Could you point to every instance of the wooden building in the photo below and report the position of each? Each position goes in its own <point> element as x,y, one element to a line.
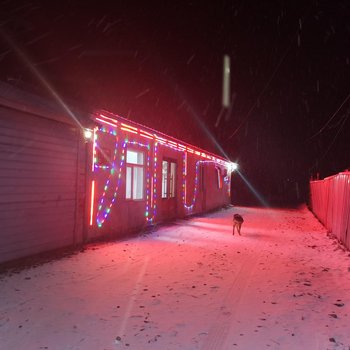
<point>140,176</point>
<point>42,175</point>
<point>58,189</point>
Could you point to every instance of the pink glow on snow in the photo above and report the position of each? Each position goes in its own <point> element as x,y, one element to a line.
<point>190,285</point>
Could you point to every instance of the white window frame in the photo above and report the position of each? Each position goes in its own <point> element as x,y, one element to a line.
<point>169,169</point>
<point>219,177</point>
<point>135,175</point>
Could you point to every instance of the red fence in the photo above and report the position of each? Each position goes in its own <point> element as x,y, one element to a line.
<point>330,202</point>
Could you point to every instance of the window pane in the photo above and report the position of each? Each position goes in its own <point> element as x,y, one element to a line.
<point>128,183</point>
<point>201,179</point>
<point>134,157</point>
<point>172,179</point>
<point>140,158</point>
<point>164,179</point>
<point>138,183</point>
<point>219,176</point>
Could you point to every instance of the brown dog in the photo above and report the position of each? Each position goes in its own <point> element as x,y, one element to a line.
<point>237,222</point>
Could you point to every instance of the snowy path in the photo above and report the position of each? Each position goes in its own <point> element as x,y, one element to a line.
<point>283,284</point>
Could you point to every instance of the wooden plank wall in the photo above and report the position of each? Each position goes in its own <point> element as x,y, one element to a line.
<point>330,201</point>
<point>42,184</point>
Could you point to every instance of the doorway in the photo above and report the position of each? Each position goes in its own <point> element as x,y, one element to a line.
<point>169,186</point>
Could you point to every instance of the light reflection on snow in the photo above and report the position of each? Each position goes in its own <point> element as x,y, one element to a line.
<point>133,296</point>
<point>185,286</point>
<point>216,227</point>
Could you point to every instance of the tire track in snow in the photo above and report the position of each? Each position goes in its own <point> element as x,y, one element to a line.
<point>132,299</point>
<point>220,328</point>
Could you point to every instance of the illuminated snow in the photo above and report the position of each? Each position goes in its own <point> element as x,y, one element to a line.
<point>190,285</point>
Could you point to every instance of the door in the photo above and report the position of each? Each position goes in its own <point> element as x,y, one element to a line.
<point>169,185</point>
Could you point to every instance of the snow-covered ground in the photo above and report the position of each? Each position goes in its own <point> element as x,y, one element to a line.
<point>191,285</point>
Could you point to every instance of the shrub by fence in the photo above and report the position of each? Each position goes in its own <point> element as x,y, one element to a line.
<point>330,202</point>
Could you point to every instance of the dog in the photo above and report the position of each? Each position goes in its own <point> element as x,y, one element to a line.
<point>237,223</point>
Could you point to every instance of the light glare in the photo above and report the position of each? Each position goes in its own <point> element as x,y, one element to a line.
<point>233,166</point>
<point>88,134</point>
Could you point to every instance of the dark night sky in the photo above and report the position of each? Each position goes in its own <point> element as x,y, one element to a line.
<point>161,65</point>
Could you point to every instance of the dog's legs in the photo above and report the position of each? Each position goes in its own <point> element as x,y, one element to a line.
<point>233,231</point>
<point>239,229</point>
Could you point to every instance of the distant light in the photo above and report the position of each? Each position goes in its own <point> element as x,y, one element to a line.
<point>88,134</point>
<point>226,82</point>
<point>233,166</point>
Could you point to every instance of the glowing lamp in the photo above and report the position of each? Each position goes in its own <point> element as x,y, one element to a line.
<point>88,134</point>
<point>233,166</point>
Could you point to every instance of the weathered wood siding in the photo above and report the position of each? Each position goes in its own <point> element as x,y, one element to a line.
<point>330,202</point>
<point>42,184</point>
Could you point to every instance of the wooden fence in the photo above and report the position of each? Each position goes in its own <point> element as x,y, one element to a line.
<point>330,202</point>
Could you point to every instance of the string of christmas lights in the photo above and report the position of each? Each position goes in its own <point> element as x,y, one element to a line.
<point>190,207</point>
<point>114,176</point>
<point>103,208</point>
<point>153,202</point>
<point>196,182</point>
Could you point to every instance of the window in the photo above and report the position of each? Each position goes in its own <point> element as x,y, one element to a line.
<point>172,180</point>
<point>134,175</point>
<point>219,176</point>
<point>164,179</point>
<point>201,177</point>
<point>168,179</point>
